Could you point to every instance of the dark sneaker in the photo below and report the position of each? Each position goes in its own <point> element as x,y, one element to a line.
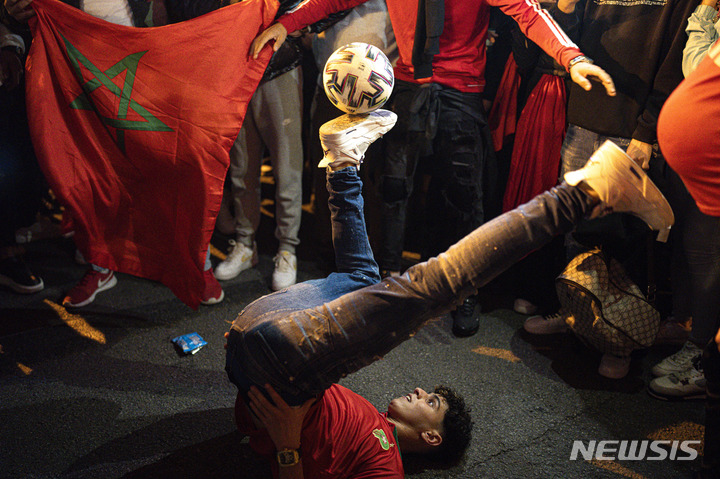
<point>16,275</point>
<point>213,293</point>
<point>89,286</point>
<point>466,320</point>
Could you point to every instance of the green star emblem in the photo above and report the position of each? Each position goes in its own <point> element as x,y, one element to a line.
<point>129,64</point>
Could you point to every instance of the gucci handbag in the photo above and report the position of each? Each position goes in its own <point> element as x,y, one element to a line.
<point>604,307</point>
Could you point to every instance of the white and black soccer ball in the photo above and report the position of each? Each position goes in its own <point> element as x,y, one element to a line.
<point>358,78</point>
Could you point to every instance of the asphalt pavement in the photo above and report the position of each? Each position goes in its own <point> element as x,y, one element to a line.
<point>102,393</point>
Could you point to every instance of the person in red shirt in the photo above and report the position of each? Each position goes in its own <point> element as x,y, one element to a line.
<point>440,76</point>
<point>286,351</point>
<point>688,136</point>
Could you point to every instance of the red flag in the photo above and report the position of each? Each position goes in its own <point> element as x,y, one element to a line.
<point>132,127</point>
<point>535,163</point>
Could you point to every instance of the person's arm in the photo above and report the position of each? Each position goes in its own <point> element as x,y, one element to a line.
<point>539,26</point>
<point>702,33</point>
<point>283,424</point>
<point>307,14</point>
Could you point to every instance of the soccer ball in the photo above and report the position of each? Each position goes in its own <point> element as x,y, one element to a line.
<point>358,78</point>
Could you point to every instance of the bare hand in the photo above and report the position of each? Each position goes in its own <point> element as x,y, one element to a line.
<point>227,333</point>
<point>710,3</point>
<point>283,423</point>
<point>567,6</point>
<point>717,339</point>
<point>276,32</point>
<point>582,70</point>
<point>11,69</point>
<point>640,152</point>
<point>20,10</point>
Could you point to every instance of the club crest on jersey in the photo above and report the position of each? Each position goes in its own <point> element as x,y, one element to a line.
<point>382,437</point>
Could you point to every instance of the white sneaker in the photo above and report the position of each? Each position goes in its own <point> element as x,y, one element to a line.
<point>548,324</point>
<point>623,186</point>
<point>285,273</point>
<point>688,384</point>
<point>678,362</point>
<point>346,138</point>
<point>241,257</point>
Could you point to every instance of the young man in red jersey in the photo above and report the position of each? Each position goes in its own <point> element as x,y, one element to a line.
<point>286,351</point>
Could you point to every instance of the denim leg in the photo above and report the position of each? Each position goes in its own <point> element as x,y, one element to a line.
<point>353,253</point>
<point>580,144</point>
<point>315,347</point>
<point>577,147</point>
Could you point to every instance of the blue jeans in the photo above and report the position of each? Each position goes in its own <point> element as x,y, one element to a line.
<point>308,336</point>
<point>580,144</point>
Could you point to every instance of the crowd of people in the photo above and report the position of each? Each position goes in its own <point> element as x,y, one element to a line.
<point>493,117</point>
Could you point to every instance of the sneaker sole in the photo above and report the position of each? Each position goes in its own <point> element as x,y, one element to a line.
<point>347,122</point>
<point>621,169</point>
<point>212,301</point>
<point>689,397</point>
<point>19,288</point>
<point>110,284</point>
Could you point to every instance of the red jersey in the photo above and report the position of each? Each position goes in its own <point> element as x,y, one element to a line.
<point>688,132</point>
<point>460,64</point>
<point>344,436</point>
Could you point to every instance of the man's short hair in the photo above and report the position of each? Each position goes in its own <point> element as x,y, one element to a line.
<point>457,426</point>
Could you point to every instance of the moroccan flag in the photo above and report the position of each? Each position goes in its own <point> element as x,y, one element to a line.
<point>132,127</point>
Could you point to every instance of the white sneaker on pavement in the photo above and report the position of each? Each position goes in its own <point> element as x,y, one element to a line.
<point>241,257</point>
<point>346,138</point>
<point>678,362</point>
<point>688,384</point>
<point>285,273</point>
<point>622,186</point>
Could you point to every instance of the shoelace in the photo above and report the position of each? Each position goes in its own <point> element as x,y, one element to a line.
<point>282,263</point>
<point>467,307</point>
<point>686,355</point>
<point>237,250</point>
